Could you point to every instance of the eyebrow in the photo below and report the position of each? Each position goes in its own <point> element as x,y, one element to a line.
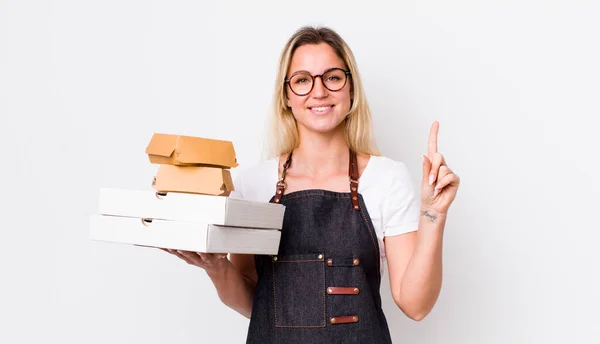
<point>307,72</point>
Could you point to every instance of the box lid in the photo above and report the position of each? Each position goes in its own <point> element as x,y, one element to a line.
<point>220,210</point>
<point>189,150</point>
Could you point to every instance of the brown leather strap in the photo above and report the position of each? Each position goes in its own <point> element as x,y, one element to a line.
<point>343,290</point>
<point>281,184</point>
<point>353,171</point>
<point>346,319</point>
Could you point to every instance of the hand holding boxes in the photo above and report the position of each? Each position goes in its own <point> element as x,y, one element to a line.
<point>189,208</point>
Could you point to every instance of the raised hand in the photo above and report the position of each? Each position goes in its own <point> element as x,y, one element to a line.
<point>440,184</point>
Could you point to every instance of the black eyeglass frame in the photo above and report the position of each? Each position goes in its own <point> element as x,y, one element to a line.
<point>313,77</point>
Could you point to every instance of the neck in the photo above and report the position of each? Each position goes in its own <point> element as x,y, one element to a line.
<point>321,154</point>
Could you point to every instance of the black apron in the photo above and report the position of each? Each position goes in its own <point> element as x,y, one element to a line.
<point>323,285</point>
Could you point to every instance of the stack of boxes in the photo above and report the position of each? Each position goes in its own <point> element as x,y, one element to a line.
<point>192,164</point>
<point>188,205</point>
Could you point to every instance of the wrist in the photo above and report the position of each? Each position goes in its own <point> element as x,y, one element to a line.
<point>432,215</point>
<point>218,268</point>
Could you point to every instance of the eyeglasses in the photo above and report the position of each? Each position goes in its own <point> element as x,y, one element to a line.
<point>334,79</point>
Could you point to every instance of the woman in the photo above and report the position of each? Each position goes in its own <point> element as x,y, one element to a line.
<point>347,208</point>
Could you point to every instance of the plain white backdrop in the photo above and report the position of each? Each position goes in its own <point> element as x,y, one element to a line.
<point>514,84</point>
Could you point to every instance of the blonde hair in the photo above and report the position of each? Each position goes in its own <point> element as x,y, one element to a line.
<point>283,130</point>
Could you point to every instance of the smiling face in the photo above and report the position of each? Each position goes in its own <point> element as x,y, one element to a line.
<point>321,110</point>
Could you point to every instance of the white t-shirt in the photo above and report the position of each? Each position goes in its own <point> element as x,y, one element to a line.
<point>385,186</point>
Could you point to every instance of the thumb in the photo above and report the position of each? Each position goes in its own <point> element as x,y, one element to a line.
<point>426,169</point>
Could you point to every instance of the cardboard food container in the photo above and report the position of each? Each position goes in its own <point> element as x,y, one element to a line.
<point>193,179</point>
<point>187,207</point>
<point>184,150</point>
<point>183,235</point>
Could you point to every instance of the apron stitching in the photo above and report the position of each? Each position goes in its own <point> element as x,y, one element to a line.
<point>300,326</point>
<point>324,298</point>
<point>370,232</point>
<point>375,245</point>
<point>318,194</point>
<point>274,296</point>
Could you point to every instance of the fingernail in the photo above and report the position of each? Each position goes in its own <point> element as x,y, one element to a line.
<point>431,177</point>
<point>436,192</point>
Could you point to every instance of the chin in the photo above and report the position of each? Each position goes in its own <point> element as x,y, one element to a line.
<point>324,128</point>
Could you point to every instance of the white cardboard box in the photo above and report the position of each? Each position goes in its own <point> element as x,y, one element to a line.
<point>218,210</point>
<point>179,235</point>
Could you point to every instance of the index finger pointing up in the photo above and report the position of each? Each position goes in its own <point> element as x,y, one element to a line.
<point>433,136</point>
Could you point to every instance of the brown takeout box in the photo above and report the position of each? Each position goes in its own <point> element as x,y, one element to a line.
<point>193,179</point>
<point>184,150</point>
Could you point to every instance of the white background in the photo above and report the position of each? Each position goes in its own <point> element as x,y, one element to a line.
<point>514,84</point>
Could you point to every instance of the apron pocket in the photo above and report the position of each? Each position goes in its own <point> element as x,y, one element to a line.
<point>299,290</point>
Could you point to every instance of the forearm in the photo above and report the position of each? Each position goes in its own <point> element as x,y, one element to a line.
<point>422,279</point>
<point>234,290</point>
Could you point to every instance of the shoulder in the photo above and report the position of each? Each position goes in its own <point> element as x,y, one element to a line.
<point>390,195</point>
<point>258,170</point>
<point>386,172</point>
<point>256,182</point>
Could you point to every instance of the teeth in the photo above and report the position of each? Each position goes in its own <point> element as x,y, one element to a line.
<point>323,108</point>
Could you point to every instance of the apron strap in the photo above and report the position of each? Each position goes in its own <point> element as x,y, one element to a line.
<point>281,184</point>
<point>352,173</point>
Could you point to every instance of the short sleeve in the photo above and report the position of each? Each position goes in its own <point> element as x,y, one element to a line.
<point>255,182</point>
<point>238,187</point>
<point>400,207</point>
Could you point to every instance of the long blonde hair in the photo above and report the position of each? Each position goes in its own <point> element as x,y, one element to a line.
<point>283,136</point>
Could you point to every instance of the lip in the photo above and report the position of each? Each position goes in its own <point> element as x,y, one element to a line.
<point>320,105</point>
<point>325,109</point>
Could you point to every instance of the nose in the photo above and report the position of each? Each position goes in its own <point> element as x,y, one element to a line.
<point>319,90</point>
